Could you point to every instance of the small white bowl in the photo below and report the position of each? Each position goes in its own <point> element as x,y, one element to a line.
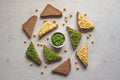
<point>55,45</point>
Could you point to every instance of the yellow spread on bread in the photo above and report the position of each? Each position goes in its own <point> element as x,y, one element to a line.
<point>46,27</point>
<point>82,53</point>
<point>84,23</point>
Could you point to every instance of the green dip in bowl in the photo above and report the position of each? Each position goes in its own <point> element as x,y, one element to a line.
<point>57,39</point>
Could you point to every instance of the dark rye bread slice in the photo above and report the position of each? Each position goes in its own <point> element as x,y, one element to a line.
<point>50,11</point>
<point>63,68</point>
<point>32,54</point>
<point>28,26</point>
<point>75,37</point>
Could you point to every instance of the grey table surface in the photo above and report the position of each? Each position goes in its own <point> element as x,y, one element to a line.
<point>104,55</point>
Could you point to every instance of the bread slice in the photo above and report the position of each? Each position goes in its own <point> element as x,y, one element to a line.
<point>50,55</point>
<point>50,11</point>
<point>47,27</point>
<point>29,25</point>
<point>32,54</point>
<point>75,37</point>
<point>83,23</point>
<point>82,54</point>
<point>63,68</point>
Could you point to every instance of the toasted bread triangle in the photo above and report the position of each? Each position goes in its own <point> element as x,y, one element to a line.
<point>50,11</point>
<point>83,23</point>
<point>63,68</point>
<point>28,26</point>
<point>47,27</point>
<point>32,53</point>
<point>82,54</point>
<point>50,55</point>
<point>75,37</point>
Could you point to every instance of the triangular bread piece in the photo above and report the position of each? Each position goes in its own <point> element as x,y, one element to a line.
<point>47,27</point>
<point>28,26</point>
<point>82,54</point>
<point>32,53</point>
<point>63,68</point>
<point>83,23</point>
<point>50,11</point>
<point>50,55</point>
<point>75,37</point>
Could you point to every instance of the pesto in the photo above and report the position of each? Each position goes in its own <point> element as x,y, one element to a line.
<point>75,37</point>
<point>31,52</point>
<point>51,55</point>
<point>58,39</point>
